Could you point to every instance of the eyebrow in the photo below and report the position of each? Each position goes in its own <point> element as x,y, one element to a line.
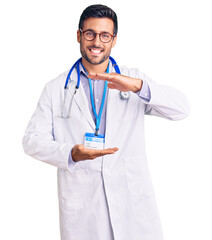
<point>94,31</point>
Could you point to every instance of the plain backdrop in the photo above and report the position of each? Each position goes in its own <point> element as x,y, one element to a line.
<point>168,40</point>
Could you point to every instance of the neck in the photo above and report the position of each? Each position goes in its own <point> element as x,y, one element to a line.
<point>92,68</point>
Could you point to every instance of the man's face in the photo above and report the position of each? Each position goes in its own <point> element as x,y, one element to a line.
<point>95,51</point>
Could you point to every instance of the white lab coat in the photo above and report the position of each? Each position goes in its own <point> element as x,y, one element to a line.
<point>111,197</point>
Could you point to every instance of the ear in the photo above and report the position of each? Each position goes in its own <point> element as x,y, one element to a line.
<point>78,36</point>
<point>114,41</point>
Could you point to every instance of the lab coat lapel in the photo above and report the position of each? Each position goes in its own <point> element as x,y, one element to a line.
<point>82,102</point>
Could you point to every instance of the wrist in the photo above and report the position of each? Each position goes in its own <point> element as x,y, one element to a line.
<point>137,86</point>
<point>72,155</point>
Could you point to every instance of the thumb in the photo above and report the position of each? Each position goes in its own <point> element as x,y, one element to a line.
<point>111,86</point>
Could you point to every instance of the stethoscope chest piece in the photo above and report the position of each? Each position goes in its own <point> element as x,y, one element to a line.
<point>124,95</point>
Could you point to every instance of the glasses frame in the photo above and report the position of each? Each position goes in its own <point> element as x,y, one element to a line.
<point>95,34</point>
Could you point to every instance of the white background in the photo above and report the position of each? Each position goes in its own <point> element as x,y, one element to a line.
<point>168,40</point>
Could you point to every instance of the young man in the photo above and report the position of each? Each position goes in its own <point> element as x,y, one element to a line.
<point>105,191</point>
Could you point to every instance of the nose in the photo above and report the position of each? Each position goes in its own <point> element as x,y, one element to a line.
<point>97,40</point>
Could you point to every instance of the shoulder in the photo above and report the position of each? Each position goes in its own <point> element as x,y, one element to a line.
<point>134,73</point>
<point>131,72</point>
<point>57,83</point>
<point>59,80</point>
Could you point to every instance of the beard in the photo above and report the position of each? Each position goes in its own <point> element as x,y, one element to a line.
<point>95,60</point>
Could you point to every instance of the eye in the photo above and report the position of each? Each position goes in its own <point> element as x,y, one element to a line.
<point>105,35</point>
<point>89,34</point>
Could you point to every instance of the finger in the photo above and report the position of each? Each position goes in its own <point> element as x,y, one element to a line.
<point>99,153</point>
<point>102,76</point>
<point>99,76</point>
<point>111,86</point>
<point>110,150</point>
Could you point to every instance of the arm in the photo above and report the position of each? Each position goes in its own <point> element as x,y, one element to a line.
<point>165,101</point>
<point>39,142</point>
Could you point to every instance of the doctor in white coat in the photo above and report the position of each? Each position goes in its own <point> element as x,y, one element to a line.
<point>104,194</point>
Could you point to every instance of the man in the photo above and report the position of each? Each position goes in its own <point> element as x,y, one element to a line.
<point>105,193</point>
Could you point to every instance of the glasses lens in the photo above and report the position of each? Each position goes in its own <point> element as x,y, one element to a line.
<point>89,35</point>
<point>105,37</point>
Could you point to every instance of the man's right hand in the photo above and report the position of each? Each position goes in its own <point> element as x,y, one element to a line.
<point>79,152</point>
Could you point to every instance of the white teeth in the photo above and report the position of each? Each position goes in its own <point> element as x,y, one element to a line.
<point>95,51</point>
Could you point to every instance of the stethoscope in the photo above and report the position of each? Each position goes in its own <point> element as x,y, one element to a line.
<point>69,92</point>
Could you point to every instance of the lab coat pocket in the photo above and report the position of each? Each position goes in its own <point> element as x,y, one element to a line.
<point>138,178</point>
<point>74,189</point>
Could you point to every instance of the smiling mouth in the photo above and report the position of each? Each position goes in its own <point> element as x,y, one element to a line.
<point>95,51</point>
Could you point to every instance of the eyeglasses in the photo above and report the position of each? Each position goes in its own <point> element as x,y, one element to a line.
<point>90,35</point>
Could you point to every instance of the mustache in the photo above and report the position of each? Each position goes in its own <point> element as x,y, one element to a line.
<point>96,47</point>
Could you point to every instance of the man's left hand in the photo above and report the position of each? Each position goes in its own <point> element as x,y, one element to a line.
<point>119,82</point>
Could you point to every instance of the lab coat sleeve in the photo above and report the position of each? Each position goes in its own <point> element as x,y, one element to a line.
<point>38,141</point>
<point>165,101</point>
<point>144,93</point>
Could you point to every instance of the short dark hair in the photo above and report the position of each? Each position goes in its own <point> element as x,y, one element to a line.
<point>99,11</point>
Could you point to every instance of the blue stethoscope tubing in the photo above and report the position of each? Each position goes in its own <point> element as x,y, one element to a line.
<point>77,63</point>
<point>77,66</point>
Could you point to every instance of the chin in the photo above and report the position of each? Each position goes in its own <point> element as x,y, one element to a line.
<point>96,60</point>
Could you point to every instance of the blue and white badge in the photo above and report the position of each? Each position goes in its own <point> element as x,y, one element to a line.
<point>94,142</point>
